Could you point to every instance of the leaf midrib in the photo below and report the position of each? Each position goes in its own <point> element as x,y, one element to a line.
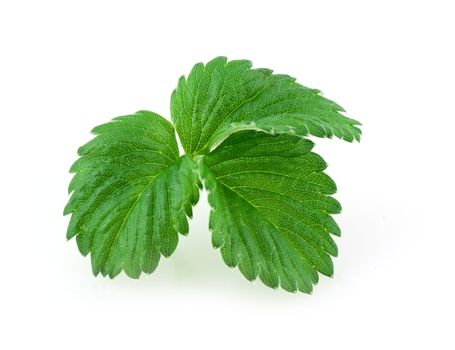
<point>135,203</point>
<point>277,228</point>
<point>210,141</point>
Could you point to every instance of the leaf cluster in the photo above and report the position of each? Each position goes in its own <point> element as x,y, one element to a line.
<point>245,133</point>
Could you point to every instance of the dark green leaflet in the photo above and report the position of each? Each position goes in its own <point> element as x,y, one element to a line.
<point>131,195</point>
<point>221,98</point>
<point>271,208</point>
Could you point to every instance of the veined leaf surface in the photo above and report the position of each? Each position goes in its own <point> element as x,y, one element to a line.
<point>244,132</point>
<point>131,195</point>
<point>221,98</point>
<point>272,208</point>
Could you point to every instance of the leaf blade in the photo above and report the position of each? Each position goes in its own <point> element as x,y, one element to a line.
<point>224,97</point>
<point>131,195</point>
<point>271,206</point>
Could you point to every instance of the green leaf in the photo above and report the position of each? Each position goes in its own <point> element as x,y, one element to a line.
<point>244,131</point>
<point>131,195</point>
<point>271,208</point>
<point>221,98</point>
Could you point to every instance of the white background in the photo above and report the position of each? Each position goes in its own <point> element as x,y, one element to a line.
<point>66,66</point>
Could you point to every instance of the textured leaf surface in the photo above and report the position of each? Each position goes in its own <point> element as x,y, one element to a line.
<point>221,98</point>
<point>271,208</point>
<point>131,194</point>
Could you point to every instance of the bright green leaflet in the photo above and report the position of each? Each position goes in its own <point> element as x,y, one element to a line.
<point>221,98</point>
<point>131,195</point>
<point>271,208</point>
<point>243,131</point>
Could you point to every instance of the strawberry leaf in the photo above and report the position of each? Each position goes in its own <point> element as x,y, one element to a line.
<point>221,98</point>
<point>271,208</point>
<point>244,132</point>
<point>131,194</point>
